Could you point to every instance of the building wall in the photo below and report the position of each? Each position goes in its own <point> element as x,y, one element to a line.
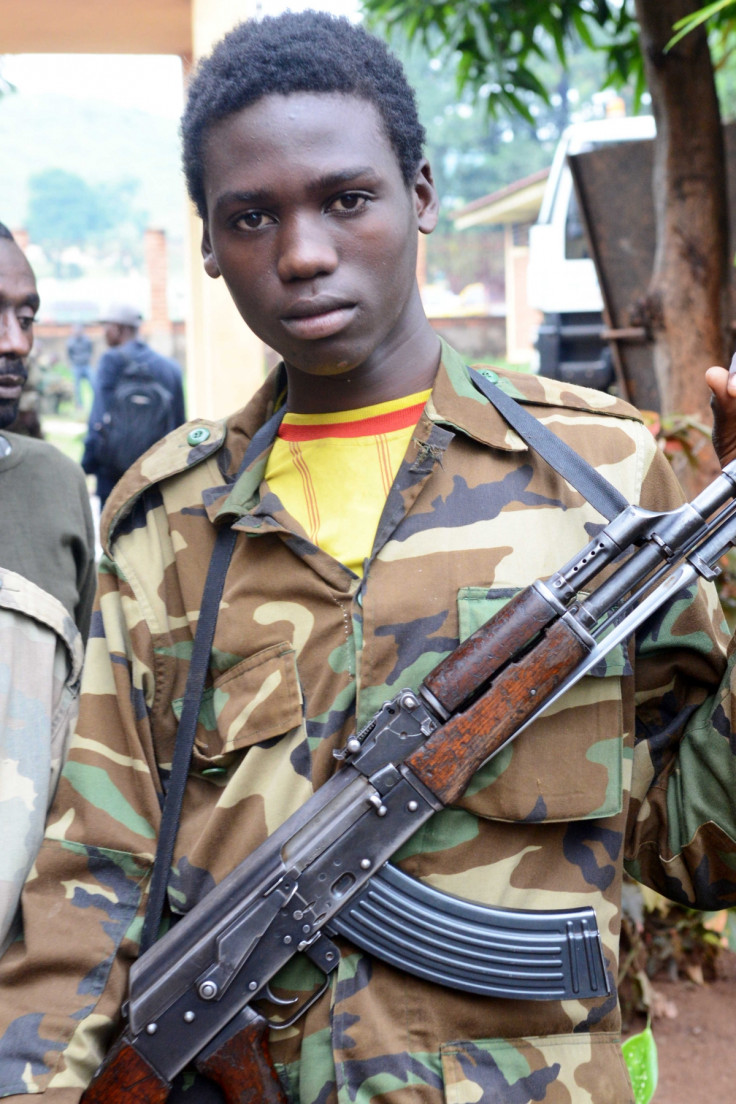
<point>478,337</point>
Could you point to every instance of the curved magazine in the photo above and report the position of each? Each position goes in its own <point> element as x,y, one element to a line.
<point>517,953</point>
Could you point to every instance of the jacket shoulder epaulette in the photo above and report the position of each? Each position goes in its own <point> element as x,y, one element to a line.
<point>184,448</point>
<point>540,390</point>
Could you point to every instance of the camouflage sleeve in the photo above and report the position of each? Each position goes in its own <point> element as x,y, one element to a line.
<point>59,1008</point>
<point>40,665</point>
<point>682,817</point>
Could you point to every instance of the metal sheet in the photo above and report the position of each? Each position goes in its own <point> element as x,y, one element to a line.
<point>613,185</point>
<point>614,189</point>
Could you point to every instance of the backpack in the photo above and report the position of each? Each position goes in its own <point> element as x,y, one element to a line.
<point>141,413</point>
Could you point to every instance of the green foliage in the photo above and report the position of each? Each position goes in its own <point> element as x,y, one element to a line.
<point>640,1055</point>
<point>473,154</point>
<point>99,141</point>
<point>720,20</point>
<point>500,43</point>
<point>65,210</point>
<point>690,22</point>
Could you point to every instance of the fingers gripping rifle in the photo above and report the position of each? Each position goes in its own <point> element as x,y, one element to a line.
<point>325,870</point>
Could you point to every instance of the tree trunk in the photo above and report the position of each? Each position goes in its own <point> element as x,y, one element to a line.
<point>687,304</point>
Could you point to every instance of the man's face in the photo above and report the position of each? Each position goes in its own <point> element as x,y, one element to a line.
<point>314,231</point>
<point>18,305</point>
<point>113,334</point>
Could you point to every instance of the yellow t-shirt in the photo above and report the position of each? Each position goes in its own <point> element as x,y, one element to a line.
<point>333,472</point>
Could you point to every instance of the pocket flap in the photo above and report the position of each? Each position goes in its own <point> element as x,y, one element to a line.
<point>584,1068</point>
<point>256,700</point>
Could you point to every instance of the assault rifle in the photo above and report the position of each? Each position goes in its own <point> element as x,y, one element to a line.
<point>325,870</point>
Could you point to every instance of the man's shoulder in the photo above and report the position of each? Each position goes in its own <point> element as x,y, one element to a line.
<point>181,454</point>
<point>29,604</point>
<point>543,391</point>
<point>46,457</point>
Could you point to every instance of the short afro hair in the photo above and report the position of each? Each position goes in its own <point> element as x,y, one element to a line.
<point>309,51</point>
<point>5,233</point>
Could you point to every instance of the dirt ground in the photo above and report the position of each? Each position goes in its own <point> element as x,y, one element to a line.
<point>696,1038</point>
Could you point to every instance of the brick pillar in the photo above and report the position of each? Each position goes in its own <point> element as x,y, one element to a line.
<point>158,328</point>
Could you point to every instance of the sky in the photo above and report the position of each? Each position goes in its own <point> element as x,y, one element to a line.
<point>151,83</point>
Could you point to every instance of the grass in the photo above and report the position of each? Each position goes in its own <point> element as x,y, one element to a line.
<point>67,433</point>
<point>66,426</point>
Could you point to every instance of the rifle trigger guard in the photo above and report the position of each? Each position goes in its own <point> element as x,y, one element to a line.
<point>270,995</point>
<point>281,1025</point>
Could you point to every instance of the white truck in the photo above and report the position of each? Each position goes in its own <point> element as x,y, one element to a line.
<point>562,281</point>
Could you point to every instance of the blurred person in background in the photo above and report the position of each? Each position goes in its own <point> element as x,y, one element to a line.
<point>79,352</point>
<point>139,398</point>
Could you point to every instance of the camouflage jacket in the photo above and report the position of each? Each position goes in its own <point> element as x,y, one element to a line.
<point>40,666</point>
<point>633,766</point>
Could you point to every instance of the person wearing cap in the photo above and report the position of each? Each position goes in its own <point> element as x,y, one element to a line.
<point>125,347</point>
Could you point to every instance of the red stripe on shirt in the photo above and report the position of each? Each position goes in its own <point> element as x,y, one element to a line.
<point>363,427</point>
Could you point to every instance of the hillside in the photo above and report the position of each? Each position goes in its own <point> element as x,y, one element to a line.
<point>98,140</point>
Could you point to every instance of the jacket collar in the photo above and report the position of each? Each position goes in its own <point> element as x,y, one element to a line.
<point>454,403</point>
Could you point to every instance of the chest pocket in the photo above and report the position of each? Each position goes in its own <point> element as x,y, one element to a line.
<point>256,700</point>
<point>569,764</point>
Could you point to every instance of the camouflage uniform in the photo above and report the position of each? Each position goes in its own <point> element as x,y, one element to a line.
<point>303,651</point>
<point>40,665</point>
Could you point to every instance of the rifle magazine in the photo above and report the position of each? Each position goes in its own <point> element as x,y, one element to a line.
<point>513,953</point>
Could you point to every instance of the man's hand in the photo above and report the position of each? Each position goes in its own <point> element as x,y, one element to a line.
<point>722,383</point>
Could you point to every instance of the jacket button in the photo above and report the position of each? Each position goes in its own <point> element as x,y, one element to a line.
<point>492,377</point>
<point>198,435</point>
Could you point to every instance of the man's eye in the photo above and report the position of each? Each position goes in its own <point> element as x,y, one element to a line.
<point>349,202</point>
<point>253,220</point>
<point>25,322</point>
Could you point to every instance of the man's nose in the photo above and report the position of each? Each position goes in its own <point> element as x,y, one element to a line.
<point>306,248</point>
<point>14,338</point>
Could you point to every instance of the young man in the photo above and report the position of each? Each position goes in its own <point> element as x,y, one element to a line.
<point>391,513</point>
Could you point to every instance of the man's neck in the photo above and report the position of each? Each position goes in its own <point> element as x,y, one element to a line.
<point>411,368</point>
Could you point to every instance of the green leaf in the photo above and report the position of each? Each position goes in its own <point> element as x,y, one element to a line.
<point>689,22</point>
<point>640,1055</point>
<point>581,27</point>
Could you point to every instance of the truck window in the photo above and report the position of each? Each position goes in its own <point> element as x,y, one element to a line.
<point>576,248</point>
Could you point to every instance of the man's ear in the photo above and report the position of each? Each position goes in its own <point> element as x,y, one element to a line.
<point>210,264</point>
<point>427,202</point>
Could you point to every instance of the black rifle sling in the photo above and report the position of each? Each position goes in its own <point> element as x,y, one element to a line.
<point>593,486</point>
<point>196,677</point>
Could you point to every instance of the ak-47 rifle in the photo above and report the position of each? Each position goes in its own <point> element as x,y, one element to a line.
<point>325,870</point>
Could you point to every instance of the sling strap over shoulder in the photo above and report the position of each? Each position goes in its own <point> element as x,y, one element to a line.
<point>594,487</point>
<point>196,677</point>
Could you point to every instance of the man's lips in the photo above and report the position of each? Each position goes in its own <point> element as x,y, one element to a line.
<point>311,319</point>
<point>11,385</point>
